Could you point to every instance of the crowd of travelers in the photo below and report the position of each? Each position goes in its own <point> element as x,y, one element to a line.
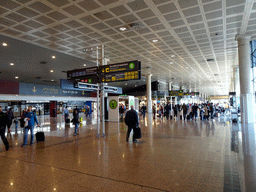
<point>204,111</point>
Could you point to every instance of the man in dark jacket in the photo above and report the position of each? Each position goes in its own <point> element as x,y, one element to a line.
<point>10,117</point>
<point>167,109</point>
<point>185,110</point>
<point>3,122</point>
<point>132,121</point>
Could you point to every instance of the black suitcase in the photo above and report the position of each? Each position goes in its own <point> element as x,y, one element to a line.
<point>40,137</point>
<point>188,117</point>
<point>171,117</point>
<point>67,120</point>
<point>180,117</point>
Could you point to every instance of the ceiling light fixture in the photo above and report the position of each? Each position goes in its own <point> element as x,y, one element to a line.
<point>11,63</point>
<point>84,64</point>
<point>125,83</point>
<point>171,62</point>
<point>172,55</point>
<point>4,44</point>
<point>122,28</point>
<point>52,80</point>
<point>53,57</point>
<point>16,77</point>
<point>154,40</point>
<point>51,71</point>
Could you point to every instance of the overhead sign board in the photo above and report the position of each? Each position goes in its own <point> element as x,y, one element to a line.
<point>120,67</point>
<point>121,76</point>
<point>194,93</point>
<point>79,73</point>
<point>176,93</point>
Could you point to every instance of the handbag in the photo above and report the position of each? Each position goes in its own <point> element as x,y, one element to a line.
<point>26,122</point>
<point>137,132</point>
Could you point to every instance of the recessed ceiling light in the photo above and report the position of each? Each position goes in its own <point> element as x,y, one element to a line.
<point>84,64</point>
<point>11,63</point>
<point>172,55</point>
<point>16,77</point>
<point>144,80</point>
<point>51,71</point>
<point>135,85</point>
<point>52,80</point>
<point>4,44</point>
<point>154,40</point>
<point>125,83</point>
<point>122,28</point>
<point>53,57</point>
<point>171,62</point>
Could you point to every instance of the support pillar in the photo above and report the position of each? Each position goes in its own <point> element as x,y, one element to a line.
<point>245,74</point>
<point>247,113</point>
<point>149,94</point>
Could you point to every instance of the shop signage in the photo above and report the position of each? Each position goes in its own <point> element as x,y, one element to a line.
<point>220,97</point>
<point>120,67</point>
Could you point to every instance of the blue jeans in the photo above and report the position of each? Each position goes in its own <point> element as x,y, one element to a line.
<point>76,127</point>
<point>26,134</point>
<point>16,126</point>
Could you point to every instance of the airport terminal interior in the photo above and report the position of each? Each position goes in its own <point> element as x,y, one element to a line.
<point>75,73</point>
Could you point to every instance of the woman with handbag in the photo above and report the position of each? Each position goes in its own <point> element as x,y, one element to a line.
<point>75,121</point>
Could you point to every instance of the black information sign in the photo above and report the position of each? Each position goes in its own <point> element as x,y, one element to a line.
<point>194,93</point>
<point>88,79</point>
<point>120,67</point>
<point>121,76</point>
<point>176,93</point>
<point>78,73</point>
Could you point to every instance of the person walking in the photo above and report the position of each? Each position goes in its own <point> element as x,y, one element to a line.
<point>132,121</point>
<point>194,110</point>
<point>66,114</point>
<point>16,121</point>
<point>167,110</point>
<point>75,121</point>
<point>154,111</point>
<point>3,122</point>
<point>143,109</point>
<point>31,118</point>
<point>211,110</point>
<point>175,110</point>
<point>10,117</point>
<point>184,110</point>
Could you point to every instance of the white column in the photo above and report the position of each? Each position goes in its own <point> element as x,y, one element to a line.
<point>247,113</point>
<point>190,90</point>
<point>149,94</point>
<point>245,74</point>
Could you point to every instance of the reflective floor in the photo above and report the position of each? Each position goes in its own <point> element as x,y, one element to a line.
<point>172,155</point>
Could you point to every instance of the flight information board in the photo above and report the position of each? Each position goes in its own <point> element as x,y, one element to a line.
<point>176,93</point>
<point>120,67</point>
<point>121,76</point>
<point>78,73</point>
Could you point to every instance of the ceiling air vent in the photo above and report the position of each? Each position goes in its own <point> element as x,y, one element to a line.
<point>43,62</point>
<point>210,60</point>
<point>136,26</point>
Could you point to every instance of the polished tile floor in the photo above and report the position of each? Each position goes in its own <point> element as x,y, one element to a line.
<point>172,155</point>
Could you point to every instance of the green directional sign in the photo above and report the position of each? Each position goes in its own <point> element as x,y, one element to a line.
<point>131,102</point>
<point>131,65</point>
<point>113,104</point>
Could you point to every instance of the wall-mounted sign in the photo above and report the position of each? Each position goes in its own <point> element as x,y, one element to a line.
<point>120,67</point>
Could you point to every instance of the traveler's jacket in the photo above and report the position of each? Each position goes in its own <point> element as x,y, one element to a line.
<point>32,117</point>
<point>10,115</point>
<point>75,118</point>
<point>131,118</point>
<point>3,120</point>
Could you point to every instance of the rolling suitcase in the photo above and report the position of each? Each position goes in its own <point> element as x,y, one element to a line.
<point>180,117</point>
<point>171,117</point>
<point>67,120</point>
<point>40,137</point>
